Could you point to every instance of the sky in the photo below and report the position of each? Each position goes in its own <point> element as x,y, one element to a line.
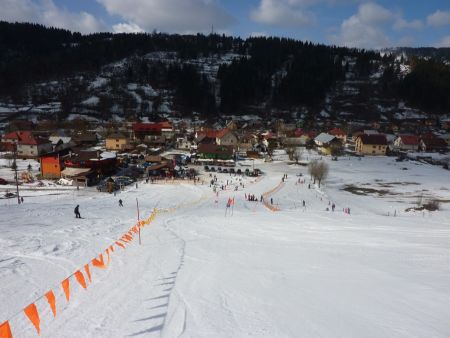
<point>353,23</point>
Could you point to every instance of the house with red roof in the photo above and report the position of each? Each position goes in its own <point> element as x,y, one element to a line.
<point>407,142</point>
<point>432,143</point>
<point>222,137</point>
<point>339,133</point>
<point>27,144</point>
<point>373,144</point>
<point>141,130</point>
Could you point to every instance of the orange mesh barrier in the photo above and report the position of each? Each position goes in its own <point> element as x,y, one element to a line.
<point>121,245</point>
<point>66,288</point>
<point>99,263</point>
<point>80,278</point>
<point>33,315</point>
<point>88,272</point>
<point>5,330</point>
<point>51,301</point>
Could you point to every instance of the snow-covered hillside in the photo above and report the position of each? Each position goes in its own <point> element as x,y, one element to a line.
<point>298,272</point>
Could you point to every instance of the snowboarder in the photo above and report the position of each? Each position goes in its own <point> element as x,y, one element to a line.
<point>120,203</point>
<point>77,212</point>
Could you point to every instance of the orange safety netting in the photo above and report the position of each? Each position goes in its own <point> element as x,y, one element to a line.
<point>80,279</point>
<point>66,287</point>
<point>88,272</point>
<point>99,263</point>
<point>51,301</point>
<point>121,245</point>
<point>33,315</point>
<point>5,330</point>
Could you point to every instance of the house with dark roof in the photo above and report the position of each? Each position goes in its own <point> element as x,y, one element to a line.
<point>407,143</point>
<point>432,143</point>
<point>373,144</point>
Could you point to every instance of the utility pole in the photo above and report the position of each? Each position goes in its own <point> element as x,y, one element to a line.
<point>15,174</point>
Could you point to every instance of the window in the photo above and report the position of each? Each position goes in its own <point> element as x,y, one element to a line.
<point>117,146</point>
<point>373,151</point>
<point>374,147</point>
<point>117,140</point>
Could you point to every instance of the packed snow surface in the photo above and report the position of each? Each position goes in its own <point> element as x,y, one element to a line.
<point>297,272</point>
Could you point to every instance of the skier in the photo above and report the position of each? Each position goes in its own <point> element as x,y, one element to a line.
<point>77,212</point>
<point>333,206</point>
<point>271,200</point>
<point>120,203</point>
<point>304,203</point>
<point>21,200</point>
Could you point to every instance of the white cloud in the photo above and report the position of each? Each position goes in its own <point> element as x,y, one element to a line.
<point>283,13</point>
<point>401,23</point>
<point>127,28</point>
<point>170,15</point>
<point>47,13</point>
<point>371,26</point>
<point>444,42</point>
<point>364,29</point>
<point>439,18</point>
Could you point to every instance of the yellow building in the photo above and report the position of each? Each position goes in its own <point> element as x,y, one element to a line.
<point>375,144</point>
<point>117,142</point>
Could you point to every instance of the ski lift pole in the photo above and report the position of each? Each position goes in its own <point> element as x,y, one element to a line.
<point>139,225</point>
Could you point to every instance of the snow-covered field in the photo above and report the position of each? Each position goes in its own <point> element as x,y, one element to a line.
<point>298,272</point>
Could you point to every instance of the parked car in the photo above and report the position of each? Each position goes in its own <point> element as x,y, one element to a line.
<point>3,181</point>
<point>232,171</point>
<point>213,169</point>
<point>219,169</point>
<point>225,171</point>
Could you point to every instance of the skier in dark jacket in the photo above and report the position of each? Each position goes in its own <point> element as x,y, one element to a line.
<point>77,212</point>
<point>120,203</point>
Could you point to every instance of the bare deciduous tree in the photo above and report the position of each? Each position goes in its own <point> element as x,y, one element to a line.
<point>318,171</point>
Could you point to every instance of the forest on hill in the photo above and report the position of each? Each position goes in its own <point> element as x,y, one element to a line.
<point>266,72</point>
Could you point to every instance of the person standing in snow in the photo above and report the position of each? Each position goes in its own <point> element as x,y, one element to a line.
<point>333,206</point>
<point>120,203</point>
<point>77,212</point>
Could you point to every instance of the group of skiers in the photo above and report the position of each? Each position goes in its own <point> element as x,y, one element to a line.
<point>253,198</point>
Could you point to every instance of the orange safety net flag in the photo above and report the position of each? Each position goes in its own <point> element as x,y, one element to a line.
<point>5,330</point>
<point>99,263</point>
<point>121,245</point>
<point>109,257</point>
<point>124,239</point>
<point>66,288</point>
<point>80,278</point>
<point>33,315</point>
<point>88,272</point>
<point>128,237</point>
<point>111,248</point>
<point>51,301</point>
